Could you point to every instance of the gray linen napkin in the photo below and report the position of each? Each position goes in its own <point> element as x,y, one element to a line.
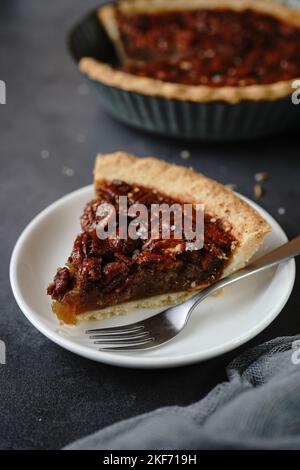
<point>257,408</point>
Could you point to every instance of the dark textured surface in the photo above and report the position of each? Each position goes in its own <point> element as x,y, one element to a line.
<point>48,396</point>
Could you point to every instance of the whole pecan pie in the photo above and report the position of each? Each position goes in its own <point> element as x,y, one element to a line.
<point>112,275</point>
<point>201,50</point>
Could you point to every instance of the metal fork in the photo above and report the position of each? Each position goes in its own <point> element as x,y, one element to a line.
<point>164,326</point>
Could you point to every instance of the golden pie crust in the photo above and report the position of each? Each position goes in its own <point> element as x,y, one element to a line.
<point>106,74</point>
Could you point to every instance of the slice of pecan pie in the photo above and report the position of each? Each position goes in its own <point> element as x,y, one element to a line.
<point>112,275</point>
<point>201,50</point>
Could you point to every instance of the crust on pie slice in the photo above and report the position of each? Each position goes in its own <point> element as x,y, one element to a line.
<point>104,73</point>
<point>246,225</point>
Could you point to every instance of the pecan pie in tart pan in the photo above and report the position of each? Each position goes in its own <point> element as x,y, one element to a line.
<point>194,68</point>
<point>220,324</point>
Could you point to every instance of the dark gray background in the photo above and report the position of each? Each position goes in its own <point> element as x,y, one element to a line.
<point>49,396</point>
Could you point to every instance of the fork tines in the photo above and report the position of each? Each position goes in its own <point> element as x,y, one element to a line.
<point>121,338</point>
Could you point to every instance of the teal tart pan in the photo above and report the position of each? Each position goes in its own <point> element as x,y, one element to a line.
<point>215,121</point>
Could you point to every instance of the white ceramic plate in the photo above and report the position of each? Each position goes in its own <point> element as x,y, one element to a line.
<point>220,324</point>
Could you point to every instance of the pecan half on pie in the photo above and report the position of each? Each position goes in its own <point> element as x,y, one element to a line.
<point>112,275</point>
<point>201,50</point>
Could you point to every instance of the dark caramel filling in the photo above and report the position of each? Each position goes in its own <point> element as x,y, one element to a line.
<point>211,47</point>
<point>101,273</point>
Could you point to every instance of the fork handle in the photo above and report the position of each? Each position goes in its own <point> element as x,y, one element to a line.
<point>282,253</point>
<point>279,255</point>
